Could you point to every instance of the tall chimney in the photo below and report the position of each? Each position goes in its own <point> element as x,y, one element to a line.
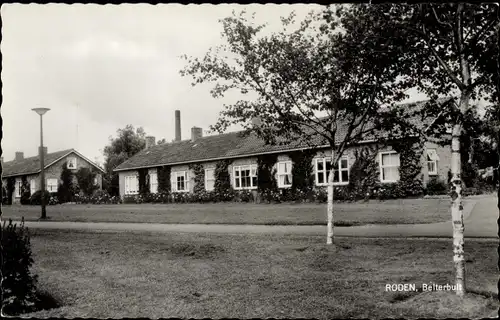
<point>44,151</point>
<point>150,141</point>
<point>19,156</point>
<point>196,133</point>
<point>177,125</point>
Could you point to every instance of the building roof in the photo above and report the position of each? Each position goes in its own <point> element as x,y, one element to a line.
<point>227,146</point>
<point>31,165</point>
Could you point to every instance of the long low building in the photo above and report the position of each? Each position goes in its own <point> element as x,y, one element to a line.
<point>243,150</point>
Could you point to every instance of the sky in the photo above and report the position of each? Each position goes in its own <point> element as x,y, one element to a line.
<point>101,67</point>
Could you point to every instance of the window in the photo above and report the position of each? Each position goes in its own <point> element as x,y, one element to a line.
<point>432,159</point>
<point>32,186</point>
<point>72,163</point>
<point>131,184</point>
<point>180,181</point>
<point>96,181</point>
<point>245,177</point>
<point>52,185</point>
<point>153,183</point>
<point>19,187</point>
<point>389,166</point>
<point>284,174</point>
<point>209,179</point>
<point>340,171</point>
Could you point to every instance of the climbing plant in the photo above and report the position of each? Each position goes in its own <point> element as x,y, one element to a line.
<point>25,190</point>
<point>163,173</point>
<point>302,170</point>
<point>363,174</point>
<point>143,181</point>
<point>267,185</point>
<point>410,182</point>
<point>11,181</point>
<point>199,178</point>
<point>222,184</point>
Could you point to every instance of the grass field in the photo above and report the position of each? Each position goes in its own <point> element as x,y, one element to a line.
<point>124,274</point>
<point>406,211</point>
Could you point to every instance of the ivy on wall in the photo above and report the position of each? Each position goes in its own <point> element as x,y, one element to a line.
<point>163,174</point>
<point>410,170</point>
<point>11,181</point>
<point>143,181</point>
<point>25,190</point>
<point>363,174</point>
<point>302,170</point>
<point>199,178</point>
<point>222,184</point>
<point>267,185</point>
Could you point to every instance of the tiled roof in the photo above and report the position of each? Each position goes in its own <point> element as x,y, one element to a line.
<point>222,146</point>
<point>32,164</point>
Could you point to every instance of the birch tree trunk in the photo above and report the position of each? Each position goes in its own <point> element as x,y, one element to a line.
<point>457,202</point>
<point>329,208</point>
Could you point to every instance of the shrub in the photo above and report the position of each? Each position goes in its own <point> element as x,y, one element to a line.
<point>50,198</point>
<point>129,199</point>
<point>244,196</point>
<point>18,284</point>
<point>436,186</point>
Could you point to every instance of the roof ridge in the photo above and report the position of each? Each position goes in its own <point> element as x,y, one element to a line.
<point>33,157</point>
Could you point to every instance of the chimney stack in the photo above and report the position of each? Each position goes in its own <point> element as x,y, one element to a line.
<point>177,125</point>
<point>44,151</point>
<point>19,155</point>
<point>150,141</point>
<point>196,133</point>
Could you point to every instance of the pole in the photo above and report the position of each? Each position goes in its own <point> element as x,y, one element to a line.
<point>42,171</point>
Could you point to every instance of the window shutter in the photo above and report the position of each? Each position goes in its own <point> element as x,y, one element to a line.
<point>186,179</point>
<point>173,181</point>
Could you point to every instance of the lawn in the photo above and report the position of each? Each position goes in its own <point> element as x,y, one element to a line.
<point>125,274</point>
<point>405,211</point>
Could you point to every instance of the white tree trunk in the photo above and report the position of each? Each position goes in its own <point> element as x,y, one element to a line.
<point>457,203</point>
<point>329,208</point>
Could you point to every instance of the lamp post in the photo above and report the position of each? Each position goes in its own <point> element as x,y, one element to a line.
<point>41,112</point>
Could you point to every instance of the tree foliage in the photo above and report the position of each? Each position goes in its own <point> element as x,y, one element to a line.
<point>128,142</point>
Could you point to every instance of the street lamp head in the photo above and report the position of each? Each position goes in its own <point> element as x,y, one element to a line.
<point>40,111</point>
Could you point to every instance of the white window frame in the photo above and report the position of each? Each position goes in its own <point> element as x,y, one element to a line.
<point>131,184</point>
<point>153,182</point>
<point>211,179</point>
<point>53,185</point>
<point>237,177</point>
<point>72,160</point>
<point>19,186</point>
<point>32,186</point>
<point>432,159</point>
<point>324,171</point>
<point>283,174</point>
<point>175,182</point>
<point>382,167</point>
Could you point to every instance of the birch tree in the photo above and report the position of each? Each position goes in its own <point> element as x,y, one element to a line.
<point>319,83</point>
<point>446,43</point>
